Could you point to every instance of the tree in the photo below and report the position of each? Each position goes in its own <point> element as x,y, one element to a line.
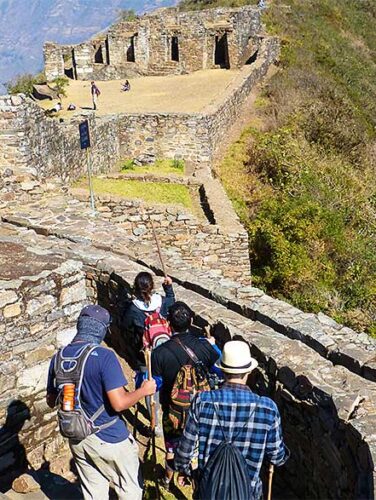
<point>23,84</point>
<point>60,83</point>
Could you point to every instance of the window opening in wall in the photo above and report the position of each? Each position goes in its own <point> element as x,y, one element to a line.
<point>175,49</point>
<point>130,51</point>
<point>253,58</point>
<point>98,55</point>
<point>221,56</point>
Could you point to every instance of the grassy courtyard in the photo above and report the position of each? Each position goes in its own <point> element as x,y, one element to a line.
<point>151,192</point>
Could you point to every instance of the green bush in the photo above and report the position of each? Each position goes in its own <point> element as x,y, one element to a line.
<point>23,84</point>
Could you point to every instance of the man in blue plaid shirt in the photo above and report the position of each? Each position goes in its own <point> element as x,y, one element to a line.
<point>252,422</point>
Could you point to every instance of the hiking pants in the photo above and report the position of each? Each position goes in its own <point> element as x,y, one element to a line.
<point>99,463</point>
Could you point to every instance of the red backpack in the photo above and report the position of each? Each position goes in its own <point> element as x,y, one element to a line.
<point>156,331</point>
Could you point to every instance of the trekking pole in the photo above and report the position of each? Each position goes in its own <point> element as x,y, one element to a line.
<point>152,401</point>
<point>158,248</point>
<point>152,419</point>
<point>271,472</point>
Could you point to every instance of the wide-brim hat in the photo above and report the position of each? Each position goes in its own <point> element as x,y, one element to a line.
<point>236,358</point>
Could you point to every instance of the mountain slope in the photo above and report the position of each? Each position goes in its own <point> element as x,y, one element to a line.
<point>26,25</point>
<point>302,176</point>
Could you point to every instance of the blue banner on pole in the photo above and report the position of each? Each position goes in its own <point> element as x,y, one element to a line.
<point>84,135</point>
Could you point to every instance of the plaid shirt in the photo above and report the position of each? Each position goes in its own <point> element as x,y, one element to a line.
<point>252,420</point>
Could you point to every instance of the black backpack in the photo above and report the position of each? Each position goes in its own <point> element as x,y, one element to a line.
<point>226,474</point>
<point>76,424</point>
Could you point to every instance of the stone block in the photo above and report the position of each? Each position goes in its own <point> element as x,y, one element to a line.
<point>40,305</point>
<point>64,337</point>
<point>33,379</point>
<point>72,294</point>
<point>39,355</point>
<point>12,310</point>
<point>7,297</point>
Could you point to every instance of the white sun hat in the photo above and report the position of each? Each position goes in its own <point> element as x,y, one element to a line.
<point>236,358</point>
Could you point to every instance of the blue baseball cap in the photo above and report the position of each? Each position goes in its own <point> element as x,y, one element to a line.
<point>97,312</point>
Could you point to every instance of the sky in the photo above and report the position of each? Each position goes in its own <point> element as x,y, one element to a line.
<point>26,24</point>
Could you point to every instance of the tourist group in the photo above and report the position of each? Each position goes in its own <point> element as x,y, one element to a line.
<point>217,432</point>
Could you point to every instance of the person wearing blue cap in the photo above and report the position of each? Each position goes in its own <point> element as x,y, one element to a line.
<point>107,452</point>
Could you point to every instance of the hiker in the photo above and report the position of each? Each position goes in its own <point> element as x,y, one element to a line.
<point>232,413</point>
<point>95,93</point>
<point>55,109</point>
<point>126,87</point>
<point>87,382</point>
<point>147,311</point>
<point>170,362</point>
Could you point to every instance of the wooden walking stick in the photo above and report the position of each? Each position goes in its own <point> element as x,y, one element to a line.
<point>152,419</point>
<point>158,248</point>
<point>152,401</point>
<point>270,482</point>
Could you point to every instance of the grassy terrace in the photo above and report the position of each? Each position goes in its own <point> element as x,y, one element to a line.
<point>150,192</point>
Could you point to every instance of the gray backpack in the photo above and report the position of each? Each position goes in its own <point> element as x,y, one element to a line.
<point>76,424</point>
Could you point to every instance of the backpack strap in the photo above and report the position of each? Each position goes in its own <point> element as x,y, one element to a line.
<point>75,374</point>
<point>188,350</point>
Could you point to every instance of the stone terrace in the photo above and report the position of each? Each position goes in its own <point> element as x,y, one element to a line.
<point>151,94</point>
<point>328,412</point>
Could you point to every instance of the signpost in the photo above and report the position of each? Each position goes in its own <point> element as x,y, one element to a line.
<point>85,144</point>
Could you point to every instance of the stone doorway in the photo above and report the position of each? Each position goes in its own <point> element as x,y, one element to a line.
<point>70,65</point>
<point>175,49</point>
<point>131,57</point>
<point>98,55</point>
<point>221,55</point>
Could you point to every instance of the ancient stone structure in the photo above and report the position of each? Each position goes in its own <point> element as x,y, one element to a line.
<point>43,147</point>
<point>56,256</point>
<point>328,412</point>
<point>165,41</point>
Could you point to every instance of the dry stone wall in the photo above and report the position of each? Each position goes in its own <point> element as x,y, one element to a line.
<point>328,413</point>
<point>166,41</point>
<point>43,147</point>
<point>40,296</point>
<point>216,247</point>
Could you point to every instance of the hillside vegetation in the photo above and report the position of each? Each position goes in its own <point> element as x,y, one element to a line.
<point>302,176</point>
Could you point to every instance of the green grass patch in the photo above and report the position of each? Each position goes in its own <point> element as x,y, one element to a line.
<point>151,192</point>
<point>166,166</point>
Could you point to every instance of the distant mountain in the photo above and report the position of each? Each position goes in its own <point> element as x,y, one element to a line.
<point>26,24</point>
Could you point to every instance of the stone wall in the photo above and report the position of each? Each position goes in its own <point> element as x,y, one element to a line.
<point>45,147</point>
<point>328,413</point>
<point>42,147</point>
<point>199,243</point>
<point>145,46</point>
<point>40,296</point>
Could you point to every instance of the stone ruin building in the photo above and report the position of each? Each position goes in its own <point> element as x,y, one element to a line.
<point>163,42</point>
<point>56,257</point>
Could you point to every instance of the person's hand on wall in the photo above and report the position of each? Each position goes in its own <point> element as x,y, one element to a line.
<point>167,281</point>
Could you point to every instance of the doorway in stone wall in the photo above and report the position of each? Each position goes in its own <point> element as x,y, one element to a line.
<point>70,65</point>
<point>175,49</point>
<point>98,54</point>
<point>221,55</point>
<point>130,50</point>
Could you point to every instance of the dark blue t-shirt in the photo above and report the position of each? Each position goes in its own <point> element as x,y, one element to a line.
<point>102,373</point>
